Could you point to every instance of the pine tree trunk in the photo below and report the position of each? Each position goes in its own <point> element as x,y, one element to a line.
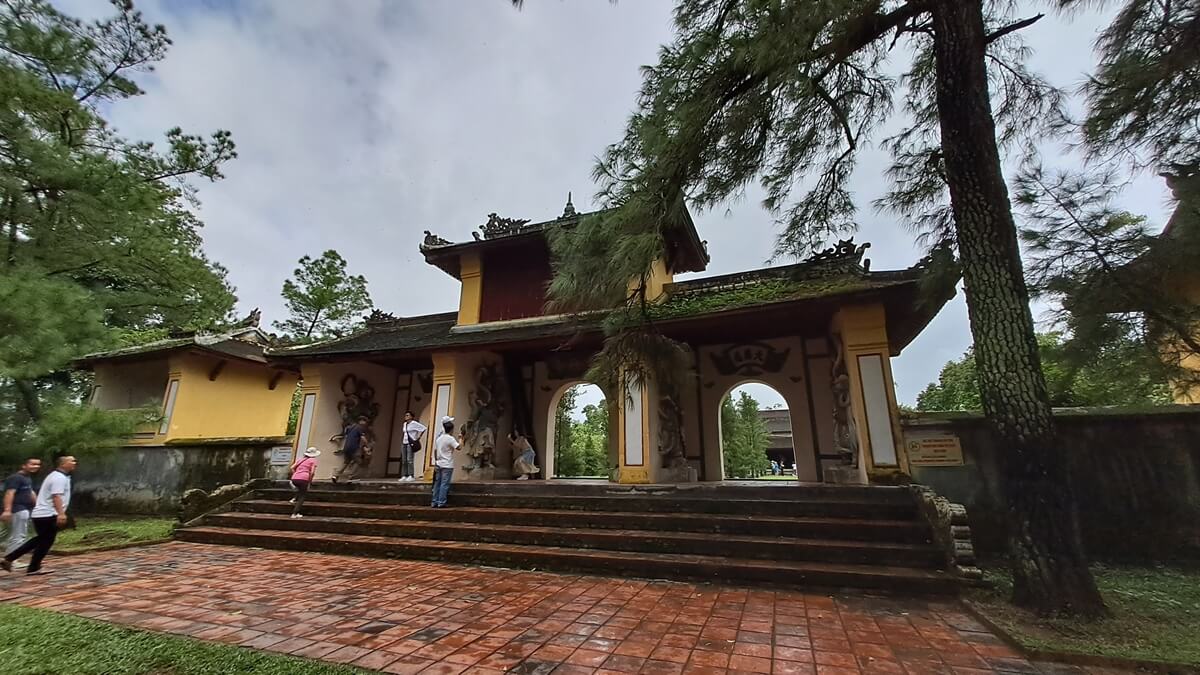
<point>1050,571</point>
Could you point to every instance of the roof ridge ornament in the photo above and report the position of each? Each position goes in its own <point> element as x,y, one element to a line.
<point>433,241</point>
<point>501,227</point>
<point>569,209</point>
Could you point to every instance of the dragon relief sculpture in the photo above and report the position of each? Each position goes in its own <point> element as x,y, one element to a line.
<point>845,433</point>
<point>358,401</point>
<point>481,430</point>
<point>432,241</point>
<point>671,447</point>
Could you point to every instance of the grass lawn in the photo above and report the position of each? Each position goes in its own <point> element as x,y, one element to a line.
<point>38,642</point>
<point>1155,616</point>
<point>92,533</point>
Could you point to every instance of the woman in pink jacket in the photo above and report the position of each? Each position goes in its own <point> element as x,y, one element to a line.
<point>303,472</point>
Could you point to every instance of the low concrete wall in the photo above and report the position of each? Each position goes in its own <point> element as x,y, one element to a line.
<point>1136,476</point>
<point>151,479</point>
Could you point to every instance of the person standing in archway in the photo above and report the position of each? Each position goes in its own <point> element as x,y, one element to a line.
<point>410,445</point>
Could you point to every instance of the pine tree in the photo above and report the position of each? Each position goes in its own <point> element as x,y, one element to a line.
<point>323,300</point>
<point>744,438</point>
<point>787,93</point>
<point>98,241</point>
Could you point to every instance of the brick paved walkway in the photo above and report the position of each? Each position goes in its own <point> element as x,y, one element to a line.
<point>410,617</point>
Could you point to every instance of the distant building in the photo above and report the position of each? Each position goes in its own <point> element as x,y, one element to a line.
<point>779,426</point>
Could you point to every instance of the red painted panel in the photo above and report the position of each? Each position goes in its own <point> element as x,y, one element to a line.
<point>514,282</point>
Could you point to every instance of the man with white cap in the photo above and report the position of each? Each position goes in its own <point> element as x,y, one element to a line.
<point>303,471</point>
<point>443,462</point>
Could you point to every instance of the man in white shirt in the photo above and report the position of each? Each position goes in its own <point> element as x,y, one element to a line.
<point>443,462</point>
<point>48,515</point>
<point>410,445</point>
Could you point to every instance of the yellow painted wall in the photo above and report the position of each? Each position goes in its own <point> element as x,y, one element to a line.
<point>238,404</point>
<point>471,295</point>
<point>1186,392</point>
<point>659,277</point>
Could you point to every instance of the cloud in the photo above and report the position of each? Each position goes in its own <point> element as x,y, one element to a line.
<point>361,124</point>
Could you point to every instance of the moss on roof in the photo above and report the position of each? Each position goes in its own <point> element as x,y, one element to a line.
<point>708,301</point>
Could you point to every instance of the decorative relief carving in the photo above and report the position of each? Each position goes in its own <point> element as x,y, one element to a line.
<point>750,359</point>
<point>845,433</point>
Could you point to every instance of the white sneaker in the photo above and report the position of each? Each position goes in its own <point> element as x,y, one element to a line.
<point>293,501</point>
<point>18,565</point>
<point>523,477</point>
<point>297,515</point>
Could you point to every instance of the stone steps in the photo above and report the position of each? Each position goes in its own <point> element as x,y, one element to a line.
<point>794,535</point>
<point>853,529</point>
<point>801,505</point>
<point>619,563</point>
<point>626,540</point>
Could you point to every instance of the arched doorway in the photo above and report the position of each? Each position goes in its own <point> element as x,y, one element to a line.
<point>756,434</point>
<point>578,438</point>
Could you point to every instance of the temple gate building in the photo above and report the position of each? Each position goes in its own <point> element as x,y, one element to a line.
<point>820,332</point>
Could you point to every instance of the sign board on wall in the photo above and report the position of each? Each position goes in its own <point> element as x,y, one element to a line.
<point>281,456</point>
<point>934,451</point>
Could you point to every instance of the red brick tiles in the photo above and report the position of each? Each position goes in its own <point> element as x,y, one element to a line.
<point>430,618</point>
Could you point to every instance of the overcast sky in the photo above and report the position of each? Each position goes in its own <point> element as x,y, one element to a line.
<point>360,124</point>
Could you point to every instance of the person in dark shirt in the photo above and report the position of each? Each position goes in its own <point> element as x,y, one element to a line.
<point>353,439</point>
<point>19,499</point>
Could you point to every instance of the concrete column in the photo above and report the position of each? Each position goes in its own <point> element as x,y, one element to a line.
<point>863,334</point>
<point>444,370</point>
<point>636,459</point>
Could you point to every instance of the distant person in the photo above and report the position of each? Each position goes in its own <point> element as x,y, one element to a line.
<point>443,462</point>
<point>410,445</point>
<point>303,471</point>
<point>354,438</point>
<point>49,515</point>
<point>524,458</point>
<point>19,500</point>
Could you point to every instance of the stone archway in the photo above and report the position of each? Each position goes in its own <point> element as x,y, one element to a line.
<point>599,451</point>
<point>779,457</point>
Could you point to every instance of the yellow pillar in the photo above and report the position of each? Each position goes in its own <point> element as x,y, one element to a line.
<point>863,332</point>
<point>636,457</point>
<point>309,398</point>
<point>444,368</point>
<point>471,296</point>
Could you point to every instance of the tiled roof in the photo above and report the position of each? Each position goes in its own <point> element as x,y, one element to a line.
<point>245,343</point>
<point>837,272</point>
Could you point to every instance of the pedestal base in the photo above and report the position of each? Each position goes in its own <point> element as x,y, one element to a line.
<point>483,473</point>
<point>843,475</point>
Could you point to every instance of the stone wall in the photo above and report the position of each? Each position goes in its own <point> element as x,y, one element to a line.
<point>1136,477</point>
<point>151,479</point>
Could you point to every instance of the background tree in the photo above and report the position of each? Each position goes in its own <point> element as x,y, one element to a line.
<point>580,447</point>
<point>744,438</point>
<point>786,93</point>
<point>323,300</point>
<point>99,244</point>
<point>1122,372</point>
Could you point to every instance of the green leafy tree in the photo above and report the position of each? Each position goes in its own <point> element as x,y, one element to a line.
<point>323,300</point>
<point>786,94</point>
<point>1121,373</point>
<point>744,438</point>
<point>98,241</point>
<point>580,447</point>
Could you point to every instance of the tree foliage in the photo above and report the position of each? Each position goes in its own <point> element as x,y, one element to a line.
<point>1122,373</point>
<point>744,438</point>
<point>99,242</point>
<point>580,446</point>
<point>323,299</point>
<point>787,94</point>
<point>1118,285</point>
